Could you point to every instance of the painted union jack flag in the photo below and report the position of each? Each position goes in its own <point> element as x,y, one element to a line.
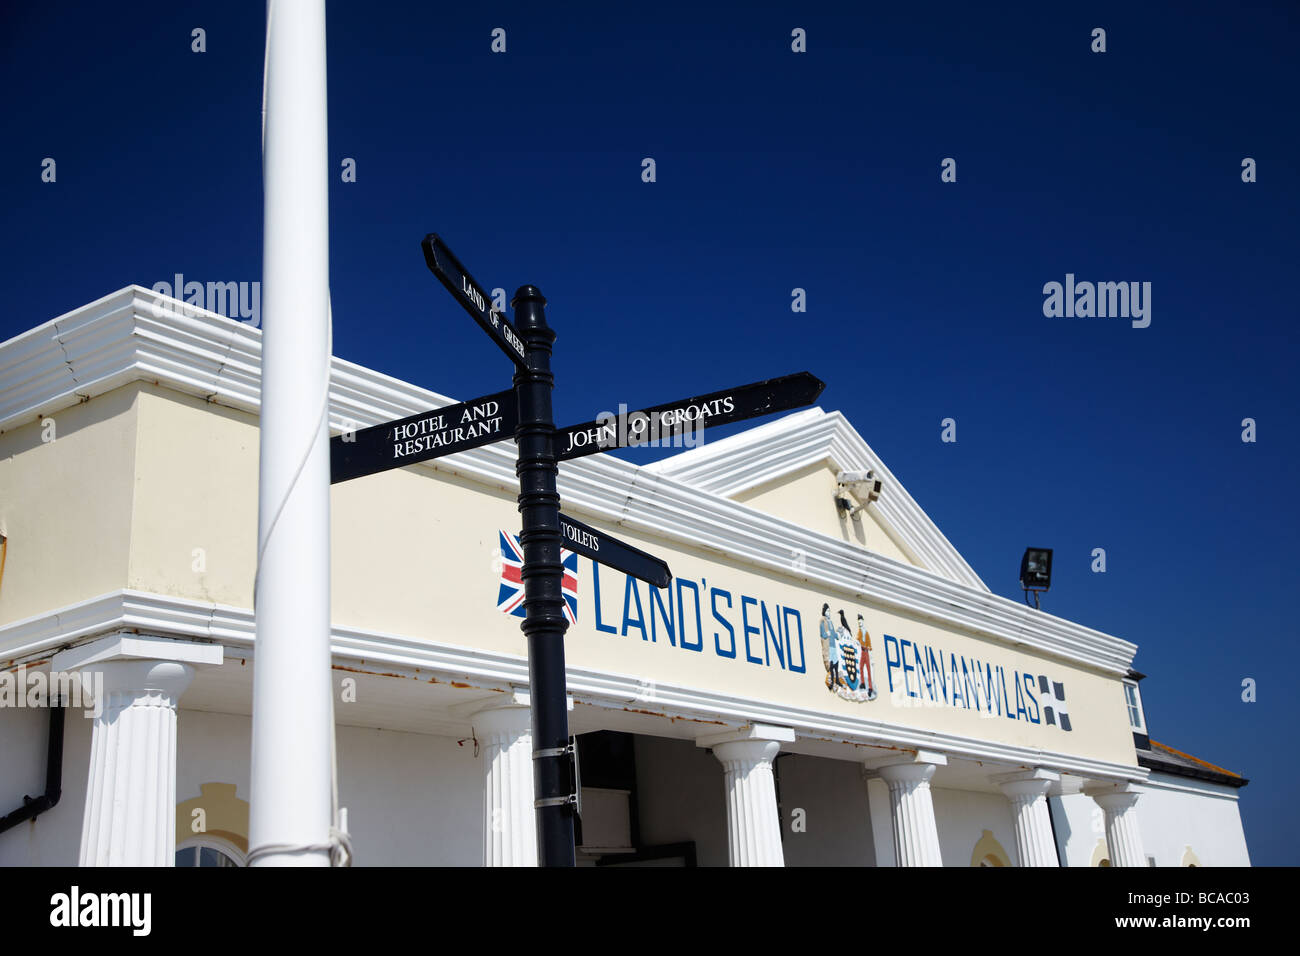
<point>510,598</point>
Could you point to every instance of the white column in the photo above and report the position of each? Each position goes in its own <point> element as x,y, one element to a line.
<point>291,772</point>
<point>130,814</point>
<point>1027,791</point>
<point>916,835</point>
<point>504,734</point>
<point>753,819</point>
<point>1123,839</point>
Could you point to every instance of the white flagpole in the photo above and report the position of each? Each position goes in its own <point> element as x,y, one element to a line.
<point>291,797</point>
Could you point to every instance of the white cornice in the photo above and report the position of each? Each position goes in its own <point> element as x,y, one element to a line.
<point>168,616</point>
<point>136,334</point>
<point>1159,780</point>
<point>759,455</point>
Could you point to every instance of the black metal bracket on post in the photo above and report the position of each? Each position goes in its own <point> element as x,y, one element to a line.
<point>544,622</point>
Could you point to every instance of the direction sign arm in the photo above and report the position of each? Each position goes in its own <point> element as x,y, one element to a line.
<point>674,419</point>
<point>442,262</point>
<point>614,553</point>
<point>421,437</point>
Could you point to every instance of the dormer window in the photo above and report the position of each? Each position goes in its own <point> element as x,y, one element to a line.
<point>1133,699</point>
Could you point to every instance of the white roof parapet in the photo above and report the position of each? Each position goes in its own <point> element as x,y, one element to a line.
<point>136,334</point>
<point>754,457</point>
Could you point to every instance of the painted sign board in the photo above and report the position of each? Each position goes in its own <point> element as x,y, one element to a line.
<point>599,546</point>
<point>421,437</point>
<point>660,423</point>
<point>455,277</point>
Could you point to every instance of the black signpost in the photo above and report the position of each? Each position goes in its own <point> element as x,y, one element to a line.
<point>554,780</point>
<point>525,413</point>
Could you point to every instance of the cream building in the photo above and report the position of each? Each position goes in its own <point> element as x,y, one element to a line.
<point>724,719</point>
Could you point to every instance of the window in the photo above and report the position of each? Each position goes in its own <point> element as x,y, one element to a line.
<point>1130,692</point>
<point>1133,700</point>
<point>989,852</point>
<point>207,853</point>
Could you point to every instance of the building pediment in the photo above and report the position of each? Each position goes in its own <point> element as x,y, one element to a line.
<point>789,468</point>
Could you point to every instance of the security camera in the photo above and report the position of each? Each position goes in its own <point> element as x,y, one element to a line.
<point>864,486</point>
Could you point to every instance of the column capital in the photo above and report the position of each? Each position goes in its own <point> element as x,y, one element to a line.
<point>1118,796</point>
<point>502,718</point>
<point>1102,787</point>
<point>1026,783</point>
<point>747,753</point>
<point>757,733</point>
<point>1110,786</point>
<point>920,764</point>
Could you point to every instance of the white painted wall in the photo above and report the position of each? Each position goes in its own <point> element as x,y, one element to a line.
<point>53,838</point>
<point>681,796</point>
<point>210,748</point>
<point>1079,825</point>
<point>962,816</point>
<point>412,799</point>
<point>1174,813</point>
<point>833,795</point>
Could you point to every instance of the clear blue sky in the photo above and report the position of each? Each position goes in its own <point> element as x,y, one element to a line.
<point>775,171</point>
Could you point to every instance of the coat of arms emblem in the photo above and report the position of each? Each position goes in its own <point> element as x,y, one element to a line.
<point>846,653</point>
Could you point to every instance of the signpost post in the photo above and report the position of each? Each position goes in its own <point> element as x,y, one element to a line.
<point>544,623</point>
<point>525,413</point>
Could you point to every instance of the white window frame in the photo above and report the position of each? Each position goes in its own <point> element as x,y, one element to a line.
<point>223,847</point>
<point>1141,726</point>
